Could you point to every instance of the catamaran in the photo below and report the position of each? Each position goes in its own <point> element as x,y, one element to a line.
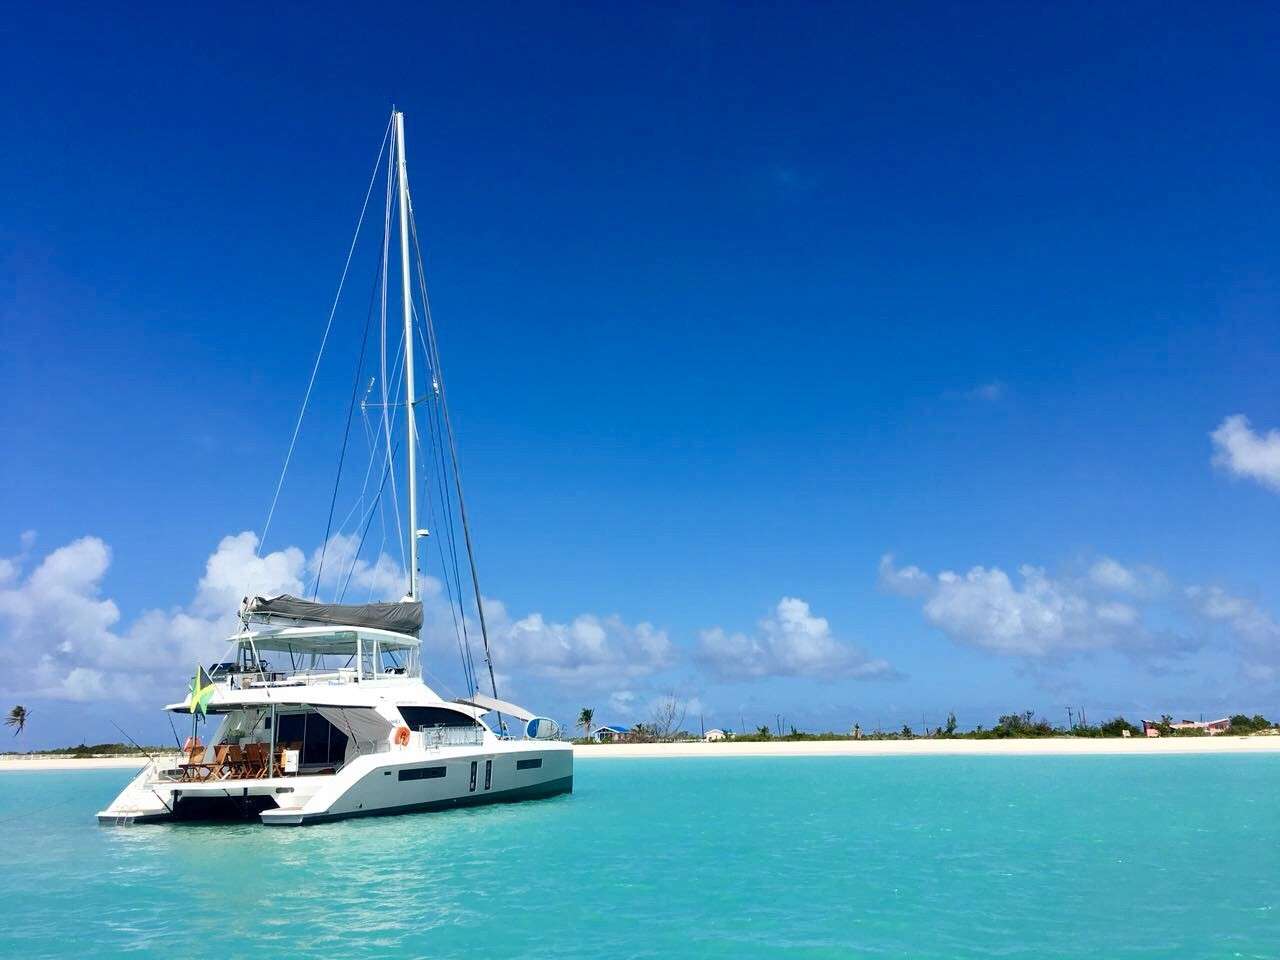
<point>322,709</point>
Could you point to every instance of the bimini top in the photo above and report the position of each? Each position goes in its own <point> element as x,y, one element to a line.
<point>403,617</point>
<point>326,641</point>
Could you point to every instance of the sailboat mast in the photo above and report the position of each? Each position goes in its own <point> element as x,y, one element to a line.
<point>409,397</point>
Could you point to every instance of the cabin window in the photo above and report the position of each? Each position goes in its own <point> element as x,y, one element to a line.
<point>473,777</point>
<point>321,743</point>
<point>418,718</point>
<point>423,773</point>
<point>533,764</point>
<point>488,774</point>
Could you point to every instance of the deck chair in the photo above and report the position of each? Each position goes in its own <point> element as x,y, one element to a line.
<point>194,767</point>
<point>255,760</point>
<point>235,763</point>
<point>218,770</point>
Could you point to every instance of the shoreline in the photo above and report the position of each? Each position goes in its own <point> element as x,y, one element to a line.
<point>71,763</point>
<point>1049,746</point>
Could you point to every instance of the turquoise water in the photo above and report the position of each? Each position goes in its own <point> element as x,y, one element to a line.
<point>922,857</point>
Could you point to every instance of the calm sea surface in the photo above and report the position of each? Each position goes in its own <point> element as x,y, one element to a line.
<point>1036,857</point>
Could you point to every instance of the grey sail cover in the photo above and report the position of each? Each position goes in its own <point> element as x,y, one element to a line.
<point>402,617</point>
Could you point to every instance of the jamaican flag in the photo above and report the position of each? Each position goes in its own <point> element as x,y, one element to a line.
<point>201,691</point>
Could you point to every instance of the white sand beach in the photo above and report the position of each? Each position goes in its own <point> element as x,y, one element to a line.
<point>1055,746</point>
<point>37,762</point>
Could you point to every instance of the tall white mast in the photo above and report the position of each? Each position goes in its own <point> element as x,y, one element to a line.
<point>409,398</point>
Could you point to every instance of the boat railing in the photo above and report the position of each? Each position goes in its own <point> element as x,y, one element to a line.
<point>304,678</point>
<point>433,738</point>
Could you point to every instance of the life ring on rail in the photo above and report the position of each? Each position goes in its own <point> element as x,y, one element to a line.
<point>402,736</point>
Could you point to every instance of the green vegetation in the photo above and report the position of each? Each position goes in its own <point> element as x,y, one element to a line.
<point>1024,725</point>
<point>1243,726</point>
<point>81,751</point>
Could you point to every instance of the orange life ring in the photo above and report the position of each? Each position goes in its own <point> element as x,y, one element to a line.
<point>402,736</point>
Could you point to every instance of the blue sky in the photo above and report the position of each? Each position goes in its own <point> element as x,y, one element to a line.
<point>734,301</point>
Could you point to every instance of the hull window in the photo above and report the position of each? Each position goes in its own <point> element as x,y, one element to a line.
<point>472,788</point>
<point>488,774</point>
<point>423,773</point>
<point>529,764</point>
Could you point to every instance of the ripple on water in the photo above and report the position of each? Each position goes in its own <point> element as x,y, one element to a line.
<point>938,857</point>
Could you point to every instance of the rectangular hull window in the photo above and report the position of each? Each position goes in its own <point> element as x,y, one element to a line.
<point>423,773</point>
<point>472,788</point>
<point>529,764</point>
<point>488,774</point>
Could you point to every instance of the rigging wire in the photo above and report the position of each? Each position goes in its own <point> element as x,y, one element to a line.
<point>453,456</point>
<point>346,436</point>
<point>356,556</point>
<point>459,624</point>
<point>446,507</point>
<point>306,399</point>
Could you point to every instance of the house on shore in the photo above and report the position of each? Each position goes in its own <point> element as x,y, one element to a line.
<point>714,735</point>
<point>1151,728</point>
<point>610,733</point>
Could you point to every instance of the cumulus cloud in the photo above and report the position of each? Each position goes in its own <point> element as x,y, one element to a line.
<point>790,642</point>
<point>587,651</point>
<point>1140,581</point>
<point>1244,453</point>
<point>1038,616</point>
<point>1256,632</point>
<point>61,638</point>
<point>905,581</point>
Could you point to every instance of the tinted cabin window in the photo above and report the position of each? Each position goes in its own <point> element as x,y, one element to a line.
<point>419,717</point>
<point>322,742</point>
<point>423,773</point>
<point>529,764</point>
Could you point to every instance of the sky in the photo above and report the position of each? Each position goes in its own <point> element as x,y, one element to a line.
<point>819,364</point>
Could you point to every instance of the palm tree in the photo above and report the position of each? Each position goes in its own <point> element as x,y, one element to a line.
<point>17,719</point>
<point>585,719</point>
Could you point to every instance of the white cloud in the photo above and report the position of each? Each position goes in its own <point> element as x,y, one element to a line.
<point>60,638</point>
<point>790,642</point>
<point>1241,451</point>
<point>906,581</point>
<point>384,579</point>
<point>1137,581</point>
<point>1110,575</point>
<point>234,571</point>
<point>588,651</point>
<point>1249,622</point>
<point>1038,617</point>
<point>990,392</point>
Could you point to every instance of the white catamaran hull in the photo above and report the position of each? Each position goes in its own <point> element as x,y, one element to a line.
<point>372,785</point>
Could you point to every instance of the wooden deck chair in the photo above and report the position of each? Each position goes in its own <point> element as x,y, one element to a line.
<point>194,767</point>
<point>235,763</point>
<point>255,757</point>
<point>218,770</point>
